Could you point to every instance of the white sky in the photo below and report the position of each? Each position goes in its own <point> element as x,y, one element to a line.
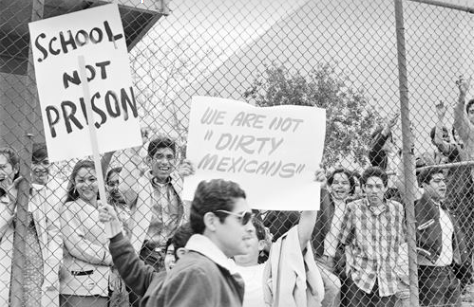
<point>357,34</point>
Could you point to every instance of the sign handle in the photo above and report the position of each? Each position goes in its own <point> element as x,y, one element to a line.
<point>93,136</point>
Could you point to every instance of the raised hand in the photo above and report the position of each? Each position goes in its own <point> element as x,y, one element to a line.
<point>107,213</point>
<point>463,85</point>
<point>441,109</point>
<point>185,168</point>
<point>392,120</point>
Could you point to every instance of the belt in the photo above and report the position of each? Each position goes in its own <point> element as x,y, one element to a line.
<point>434,269</point>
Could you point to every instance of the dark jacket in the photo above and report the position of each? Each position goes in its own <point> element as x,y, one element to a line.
<point>429,236</point>
<point>138,276</point>
<point>194,281</point>
<point>198,281</point>
<point>321,229</point>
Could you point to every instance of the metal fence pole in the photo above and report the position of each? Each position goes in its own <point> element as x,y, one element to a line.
<point>408,155</point>
<point>18,261</point>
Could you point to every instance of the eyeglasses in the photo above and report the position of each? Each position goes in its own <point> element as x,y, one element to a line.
<point>244,217</point>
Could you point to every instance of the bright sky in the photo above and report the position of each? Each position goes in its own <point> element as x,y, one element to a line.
<point>357,34</point>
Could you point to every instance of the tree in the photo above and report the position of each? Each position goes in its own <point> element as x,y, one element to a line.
<point>161,69</point>
<point>350,117</point>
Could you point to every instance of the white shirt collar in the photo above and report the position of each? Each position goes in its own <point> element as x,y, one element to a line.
<point>206,247</point>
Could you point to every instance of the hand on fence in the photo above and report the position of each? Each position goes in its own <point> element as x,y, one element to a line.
<point>320,176</point>
<point>392,120</point>
<point>441,110</point>
<point>463,85</point>
<point>268,239</point>
<point>186,168</point>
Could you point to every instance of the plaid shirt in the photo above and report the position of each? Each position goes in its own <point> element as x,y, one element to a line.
<point>372,236</point>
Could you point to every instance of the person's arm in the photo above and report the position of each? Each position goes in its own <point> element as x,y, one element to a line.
<point>461,122</point>
<point>135,273</point>
<point>442,145</point>
<point>53,231</point>
<point>308,218</point>
<point>375,156</point>
<point>72,229</point>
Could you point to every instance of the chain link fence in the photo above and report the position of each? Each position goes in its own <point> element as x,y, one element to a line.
<point>339,55</point>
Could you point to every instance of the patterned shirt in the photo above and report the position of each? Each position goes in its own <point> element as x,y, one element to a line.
<point>166,216</point>
<point>372,236</point>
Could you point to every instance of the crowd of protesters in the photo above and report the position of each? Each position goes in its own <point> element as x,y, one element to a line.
<point>215,251</point>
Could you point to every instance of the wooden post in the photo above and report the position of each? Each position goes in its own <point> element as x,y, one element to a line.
<point>93,136</point>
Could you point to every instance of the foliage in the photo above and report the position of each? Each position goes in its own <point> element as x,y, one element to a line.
<point>350,117</point>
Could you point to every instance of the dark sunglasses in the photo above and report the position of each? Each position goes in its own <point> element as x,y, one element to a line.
<point>244,217</point>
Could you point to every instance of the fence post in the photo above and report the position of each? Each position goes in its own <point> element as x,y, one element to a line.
<point>408,155</point>
<point>31,98</point>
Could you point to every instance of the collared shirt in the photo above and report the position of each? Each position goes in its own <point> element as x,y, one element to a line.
<point>166,215</point>
<point>203,245</point>
<point>372,236</point>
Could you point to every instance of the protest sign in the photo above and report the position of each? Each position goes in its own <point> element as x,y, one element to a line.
<point>97,35</point>
<point>271,152</point>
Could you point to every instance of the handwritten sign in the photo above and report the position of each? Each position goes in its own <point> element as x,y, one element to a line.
<point>97,34</point>
<point>271,152</point>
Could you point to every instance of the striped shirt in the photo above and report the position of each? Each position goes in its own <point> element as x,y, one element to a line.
<point>372,236</point>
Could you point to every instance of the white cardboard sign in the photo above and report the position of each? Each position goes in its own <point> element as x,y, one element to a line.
<point>97,34</point>
<point>272,153</point>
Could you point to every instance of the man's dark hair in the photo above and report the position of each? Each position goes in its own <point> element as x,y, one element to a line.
<point>259,228</point>
<point>160,142</point>
<point>13,158</point>
<point>40,152</point>
<point>349,175</point>
<point>469,104</point>
<point>426,175</point>
<point>374,171</point>
<point>433,132</point>
<point>115,170</point>
<point>181,237</point>
<point>210,196</point>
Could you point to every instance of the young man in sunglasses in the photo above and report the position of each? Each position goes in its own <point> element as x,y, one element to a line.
<point>204,276</point>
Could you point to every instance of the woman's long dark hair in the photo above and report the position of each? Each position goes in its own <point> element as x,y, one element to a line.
<point>72,194</point>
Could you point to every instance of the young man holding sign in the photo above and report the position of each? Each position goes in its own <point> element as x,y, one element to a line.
<point>157,209</point>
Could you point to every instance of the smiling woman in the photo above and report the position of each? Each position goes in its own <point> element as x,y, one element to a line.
<point>87,261</point>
